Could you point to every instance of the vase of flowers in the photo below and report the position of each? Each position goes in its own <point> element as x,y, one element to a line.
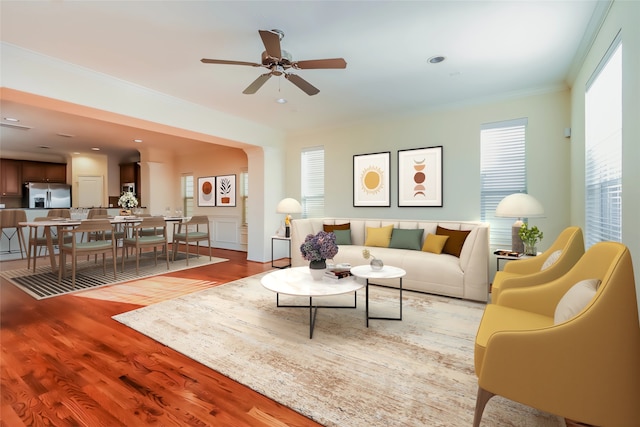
<point>317,249</point>
<point>376,263</point>
<point>127,202</point>
<point>530,236</point>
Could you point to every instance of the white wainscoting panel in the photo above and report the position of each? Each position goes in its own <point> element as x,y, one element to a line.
<point>226,232</point>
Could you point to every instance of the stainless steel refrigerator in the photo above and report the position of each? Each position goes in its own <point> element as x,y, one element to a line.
<point>42,195</point>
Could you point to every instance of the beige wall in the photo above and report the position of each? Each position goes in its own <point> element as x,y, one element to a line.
<point>458,131</point>
<point>623,16</point>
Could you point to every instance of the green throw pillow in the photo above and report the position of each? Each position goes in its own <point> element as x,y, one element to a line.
<point>406,239</point>
<point>343,237</point>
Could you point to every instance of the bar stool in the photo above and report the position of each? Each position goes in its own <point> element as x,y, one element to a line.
<point>9,220</point>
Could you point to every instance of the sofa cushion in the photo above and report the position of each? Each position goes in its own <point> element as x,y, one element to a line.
<point>406,239</point>
<point>551,259</point>
<point>380,236</point>
<point>343,237</point>
<point>575,299</point>
<point>332,227</point>
<point>434,243</point>
<point>453,245</point>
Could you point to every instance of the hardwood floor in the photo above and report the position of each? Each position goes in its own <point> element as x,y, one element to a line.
<point>65,362</point>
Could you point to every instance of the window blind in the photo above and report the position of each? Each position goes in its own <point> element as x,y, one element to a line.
<point>312,182</point>
<point>503,172</point>
<point>603,150</point>
<point>187,198</point>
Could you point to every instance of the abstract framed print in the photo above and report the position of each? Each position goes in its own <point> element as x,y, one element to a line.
<point>226,190</point>
<point>206,191</point>
<point>371,180</point>
<point>420,177</point>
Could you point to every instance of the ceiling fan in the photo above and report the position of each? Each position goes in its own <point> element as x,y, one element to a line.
<point>279,62</point>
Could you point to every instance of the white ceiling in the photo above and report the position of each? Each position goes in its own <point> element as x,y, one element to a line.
<point>493,50</point>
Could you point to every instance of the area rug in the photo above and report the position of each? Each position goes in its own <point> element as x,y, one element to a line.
<point>44,284</point>
<point>418,371</point>
<point>151,290</point>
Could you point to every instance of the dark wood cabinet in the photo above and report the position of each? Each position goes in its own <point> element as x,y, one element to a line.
<point>11,178</point>
<point>44,172</point>
<point>130,172</point>
<point>55,172</point>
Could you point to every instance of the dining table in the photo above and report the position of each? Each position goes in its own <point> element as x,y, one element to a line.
<point>61,223</point>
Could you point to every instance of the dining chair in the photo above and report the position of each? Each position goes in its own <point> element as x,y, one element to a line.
<point>78,247</point>
<point>139,241</point>
<point>10,219</point>
<point>37,241</point>
<point>195,231</point>
<point>59,213</point>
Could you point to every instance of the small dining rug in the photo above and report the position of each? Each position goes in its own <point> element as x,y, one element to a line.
<point>44,284</point>
<point>414,372</point>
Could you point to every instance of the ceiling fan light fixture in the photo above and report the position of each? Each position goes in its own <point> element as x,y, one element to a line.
<point>436,59</point>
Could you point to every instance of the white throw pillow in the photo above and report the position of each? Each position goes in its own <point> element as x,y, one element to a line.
<point>551,260</point>
<point>575,300</point>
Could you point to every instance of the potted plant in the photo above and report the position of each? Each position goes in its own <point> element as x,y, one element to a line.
<point>530,236</point>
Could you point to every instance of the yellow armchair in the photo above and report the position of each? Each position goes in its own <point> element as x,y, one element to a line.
<point>586,368</point>
<point>529,271</point>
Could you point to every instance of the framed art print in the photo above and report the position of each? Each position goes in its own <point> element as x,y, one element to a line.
<point>371,179</point>
<point>226,190</point>
<point>206,191</point>
<point>420,177</point>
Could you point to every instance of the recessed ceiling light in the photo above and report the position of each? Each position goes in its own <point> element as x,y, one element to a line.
<point>281,101</point>
<point>10,119</point>
<point>75,152</point>
<point>137,140</point>
<point>95,148</point>
<point>436,59</point>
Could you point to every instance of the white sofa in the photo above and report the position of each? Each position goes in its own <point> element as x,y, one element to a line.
<point>464,277</point>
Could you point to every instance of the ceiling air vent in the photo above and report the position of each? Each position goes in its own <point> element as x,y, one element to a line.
<point>11,125</point>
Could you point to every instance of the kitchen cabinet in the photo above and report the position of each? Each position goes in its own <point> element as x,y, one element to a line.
<point>130,173</point>
<point>11,178</point>
<point>44,172</point>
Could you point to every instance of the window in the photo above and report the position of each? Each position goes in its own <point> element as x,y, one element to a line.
<point>503,172</point>
<point>603,150</point>
<point>244,194</point>
<point>312,171</point>
<point>187,194</point>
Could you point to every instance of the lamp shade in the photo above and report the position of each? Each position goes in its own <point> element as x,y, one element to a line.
<point>519,205</point>
<point>289,206</point>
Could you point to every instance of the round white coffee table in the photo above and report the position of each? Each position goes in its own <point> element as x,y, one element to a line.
<point>387,272</point>
<point>297,281</point>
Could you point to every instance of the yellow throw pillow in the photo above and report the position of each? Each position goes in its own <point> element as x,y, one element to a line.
<point>434,243</point>
<point>379,237</point>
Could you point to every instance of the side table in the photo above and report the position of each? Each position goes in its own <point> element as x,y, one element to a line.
<point>387,272</point>
<point>281,238</point>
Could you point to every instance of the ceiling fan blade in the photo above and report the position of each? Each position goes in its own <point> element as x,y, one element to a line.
<point>320,63</point>
<point>222,61</point>
<point>257,84</point>
<point>271,43</point>
<point>306,87</point>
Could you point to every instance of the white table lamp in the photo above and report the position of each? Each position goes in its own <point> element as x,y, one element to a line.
<point>288,206</point>
<point>519,205</point>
